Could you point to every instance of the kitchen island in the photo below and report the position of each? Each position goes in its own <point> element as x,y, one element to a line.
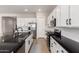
<point>14,44</point>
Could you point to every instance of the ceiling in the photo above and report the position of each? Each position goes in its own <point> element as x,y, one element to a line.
<point>31,8</point>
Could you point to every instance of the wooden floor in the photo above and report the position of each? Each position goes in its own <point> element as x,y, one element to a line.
<point>39,46</point>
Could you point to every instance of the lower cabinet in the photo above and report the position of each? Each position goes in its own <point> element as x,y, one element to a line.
<point>55,47</point>
<point>22,49</point>
<point>62,50</point>
<point>28,43</point>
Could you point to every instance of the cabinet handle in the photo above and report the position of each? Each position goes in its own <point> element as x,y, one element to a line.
<point>57,51</point>
<point>51,44</point>
<point>69,21</point>
<point>54,43</point>
<point>28,42</point>
<point>66,21</point>
<point>62,51</point>
<point>54,22</point>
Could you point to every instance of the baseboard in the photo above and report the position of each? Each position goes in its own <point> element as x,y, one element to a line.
<point>41,38</point>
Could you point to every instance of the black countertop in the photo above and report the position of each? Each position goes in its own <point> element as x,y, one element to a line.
<point>13,45</point>
<point>70,45</point>
<point>8,47</point>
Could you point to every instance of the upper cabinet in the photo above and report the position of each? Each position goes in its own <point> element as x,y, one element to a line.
<point>51,17</point>
<point>74,15</point>
<point>64,15</point>
<point>69,15</point>
<point>58,18</point>
<point>54,13</point>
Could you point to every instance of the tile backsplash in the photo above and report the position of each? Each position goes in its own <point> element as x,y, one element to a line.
<point>72,33</point>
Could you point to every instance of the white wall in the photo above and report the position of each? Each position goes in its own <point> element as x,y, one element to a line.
<point>24,21</point>
<point>0,27</point>
<point>41,25</point>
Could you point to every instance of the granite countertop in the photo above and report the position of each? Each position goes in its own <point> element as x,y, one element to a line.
<point>7,47</point>
<point>13,45</point>
<point>70,45</point>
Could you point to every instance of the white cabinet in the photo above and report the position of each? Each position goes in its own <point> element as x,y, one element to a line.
<point>28,43</point>
<point>74,15</point>
<point>26,46</point>
<point>62,50</point>
<point>52,45</point>
<point>55,47</point>
<point>51,17</point>
<point>58,18</point>
<point>69,16</point>
<point>54,13</point>
<point>64,15</point>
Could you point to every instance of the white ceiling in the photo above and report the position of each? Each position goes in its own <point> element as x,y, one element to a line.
<point>31,8</point>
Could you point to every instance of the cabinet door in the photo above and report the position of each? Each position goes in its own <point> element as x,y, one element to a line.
<point>53,45</point>
<point>61,49</point>
<point>31,37</point>
<point>28,43</point>
<point>74,15</point>
<point>64,15</point>
<point>26,46</point>
<point>56,47</point>
<point>54,13</point>
<point>58,18</point>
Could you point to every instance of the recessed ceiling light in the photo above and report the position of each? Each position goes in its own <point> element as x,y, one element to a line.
<point>25,10</point>
<point>39,9</point>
